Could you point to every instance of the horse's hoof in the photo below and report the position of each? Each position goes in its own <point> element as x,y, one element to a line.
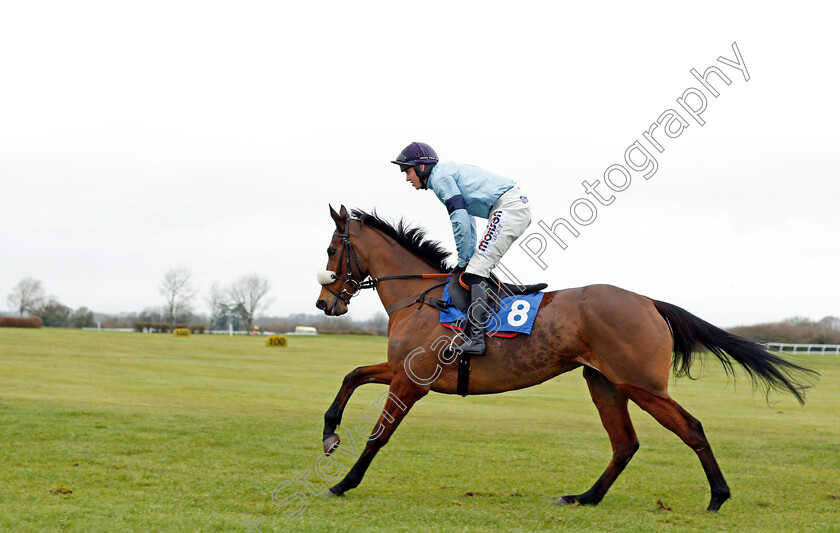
<point>330,443</point>
<point>718,500</point>
<point>567,500</point>
<point>331,494</point>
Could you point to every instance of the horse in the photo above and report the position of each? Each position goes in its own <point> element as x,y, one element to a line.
<point>626,343</point>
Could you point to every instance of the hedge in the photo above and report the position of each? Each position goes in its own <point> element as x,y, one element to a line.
<point>26,322</point>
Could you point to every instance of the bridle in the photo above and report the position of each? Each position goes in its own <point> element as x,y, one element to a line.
<point>329,277</point>
<point>352,287</point>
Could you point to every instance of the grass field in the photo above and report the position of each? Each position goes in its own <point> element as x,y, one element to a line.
<point>160,433</point>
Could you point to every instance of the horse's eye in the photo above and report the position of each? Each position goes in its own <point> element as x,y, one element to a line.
<point>330,252</point>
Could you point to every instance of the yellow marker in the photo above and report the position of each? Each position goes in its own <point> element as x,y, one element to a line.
<point>276,340</point>
<point>181,332</point>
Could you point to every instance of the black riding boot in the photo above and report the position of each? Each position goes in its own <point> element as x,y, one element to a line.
<point>476,318</point>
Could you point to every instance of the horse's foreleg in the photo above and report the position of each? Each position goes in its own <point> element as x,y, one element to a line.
<point>402,395</point>
<point>612,407</point>
<point>380,373</point>
<point>669,413</point>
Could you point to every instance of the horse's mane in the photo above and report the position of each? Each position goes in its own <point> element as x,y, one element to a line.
<point>412,239</point>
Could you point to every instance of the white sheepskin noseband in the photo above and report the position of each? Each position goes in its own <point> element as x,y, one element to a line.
<point>326,277</point>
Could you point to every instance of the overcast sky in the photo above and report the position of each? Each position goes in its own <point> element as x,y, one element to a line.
<point>137,137</point>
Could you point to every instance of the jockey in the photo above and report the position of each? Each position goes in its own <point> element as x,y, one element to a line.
<point>468,191</point>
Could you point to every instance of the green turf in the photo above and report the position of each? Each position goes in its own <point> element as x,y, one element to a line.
<point>160,433</point>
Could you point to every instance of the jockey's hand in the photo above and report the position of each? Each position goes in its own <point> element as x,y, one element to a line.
<point>458,269</point>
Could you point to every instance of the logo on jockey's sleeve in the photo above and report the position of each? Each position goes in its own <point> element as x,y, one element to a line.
<point>524,199</point>
<point>494,228</point>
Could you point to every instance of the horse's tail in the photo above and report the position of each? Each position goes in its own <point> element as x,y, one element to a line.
<point>762,366</point>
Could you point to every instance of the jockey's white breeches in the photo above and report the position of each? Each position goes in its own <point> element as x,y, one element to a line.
<point>509,217</point>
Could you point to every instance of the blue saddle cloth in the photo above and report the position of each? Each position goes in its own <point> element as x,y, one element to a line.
<point>516,313</point>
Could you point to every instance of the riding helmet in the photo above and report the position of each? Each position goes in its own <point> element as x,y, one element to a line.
<point>416,154</point>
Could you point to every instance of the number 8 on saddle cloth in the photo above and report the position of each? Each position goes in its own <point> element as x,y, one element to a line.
<point>515,314</point>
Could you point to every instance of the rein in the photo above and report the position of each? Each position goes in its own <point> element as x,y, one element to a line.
<point>352,287</point>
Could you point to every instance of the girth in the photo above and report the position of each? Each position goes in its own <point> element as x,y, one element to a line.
<point>463,373</point>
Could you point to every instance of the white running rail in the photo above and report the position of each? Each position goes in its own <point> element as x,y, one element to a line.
<point>783,347</point>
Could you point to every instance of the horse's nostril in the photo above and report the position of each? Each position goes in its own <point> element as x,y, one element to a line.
<point>321,304</point>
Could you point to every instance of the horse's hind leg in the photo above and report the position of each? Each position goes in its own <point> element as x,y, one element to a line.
<point>612,407</point>
<point>669,413</point>
<point>380,373</point>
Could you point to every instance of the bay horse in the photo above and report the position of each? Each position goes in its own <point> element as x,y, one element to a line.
<point>623,341</point>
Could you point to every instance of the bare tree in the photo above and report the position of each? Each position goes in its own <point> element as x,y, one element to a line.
<point>831,323</point>
<point>178,292</point>
<point>217,302</point>
<point>53,313</point>
<point>378,324</point>
<point>247,297</point>
<point>82,318</point>
<point>26,296</point>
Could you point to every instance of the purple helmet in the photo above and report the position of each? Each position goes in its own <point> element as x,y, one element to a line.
<point>416,154</point>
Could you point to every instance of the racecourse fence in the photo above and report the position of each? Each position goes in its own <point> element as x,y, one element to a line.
<point>783,347</point>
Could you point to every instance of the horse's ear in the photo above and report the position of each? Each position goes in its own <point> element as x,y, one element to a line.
<point>337,218</point>
<point>343,211</point>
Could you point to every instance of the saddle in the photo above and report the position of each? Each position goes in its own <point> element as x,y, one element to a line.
<point>495,292</point>
<point>460,298</point>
